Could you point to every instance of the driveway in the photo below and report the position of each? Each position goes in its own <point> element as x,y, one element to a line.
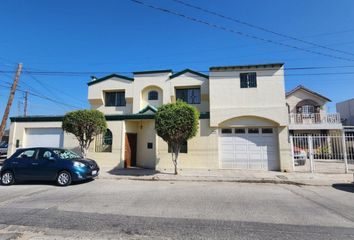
<point>123,209</point>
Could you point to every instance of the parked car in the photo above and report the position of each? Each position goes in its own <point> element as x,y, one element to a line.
<point>3,148</point>
<point>47,164</point>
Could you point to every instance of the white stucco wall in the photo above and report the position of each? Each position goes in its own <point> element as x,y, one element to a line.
<point>136,92</point>
<point>228,100</point>
<point>202,151</point>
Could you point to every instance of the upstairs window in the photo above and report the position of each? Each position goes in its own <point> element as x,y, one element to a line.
<point>189,95</point>
<point>115,99</point>
<point>248,80</point>
<point>153,95</point>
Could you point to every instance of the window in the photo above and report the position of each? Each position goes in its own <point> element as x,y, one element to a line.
<point>253,130</point>
<point>248,80</point>
<point>115,99</point>
<point>267,130</point>
<point>103,142</point>
<point>31,153</point>
<point>184,147</point>
<point>240,130</point>
<point>66,154</point>
<point>46,154</point>
<point>189,95</point>
<point>226,130</point>
<point>308,109</point>
<point>153,95</point>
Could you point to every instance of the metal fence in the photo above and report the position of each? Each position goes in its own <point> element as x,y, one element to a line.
<point>323,153</point>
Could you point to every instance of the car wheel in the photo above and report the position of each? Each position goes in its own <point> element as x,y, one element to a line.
<point>64,178</point>
<point>7,178</point>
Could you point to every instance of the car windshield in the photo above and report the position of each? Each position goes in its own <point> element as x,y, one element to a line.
<point>3,145</point>
<point>66,154</point>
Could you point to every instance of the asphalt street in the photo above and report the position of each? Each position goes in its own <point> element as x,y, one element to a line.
<point>123,209</point>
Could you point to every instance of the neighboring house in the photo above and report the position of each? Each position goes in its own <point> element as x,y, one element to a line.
<point>346,110</point>
<point>308,115</point>
<point>243,119</point>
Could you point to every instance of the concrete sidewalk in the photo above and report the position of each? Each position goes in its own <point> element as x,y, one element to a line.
<point>250,176</point>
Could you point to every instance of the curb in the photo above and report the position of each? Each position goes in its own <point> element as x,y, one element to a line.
<point>155,179</point>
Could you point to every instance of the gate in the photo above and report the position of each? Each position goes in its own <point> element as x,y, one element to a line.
<point>323,153</point>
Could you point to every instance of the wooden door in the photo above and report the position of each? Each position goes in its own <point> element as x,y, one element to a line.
<point>130,150</point>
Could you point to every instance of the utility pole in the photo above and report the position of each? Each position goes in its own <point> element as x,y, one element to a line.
<point>25,100</point>
<point>10,100</point>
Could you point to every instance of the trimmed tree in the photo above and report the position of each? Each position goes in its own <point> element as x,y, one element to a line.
<point>175,123</point>
<point>85,125</point>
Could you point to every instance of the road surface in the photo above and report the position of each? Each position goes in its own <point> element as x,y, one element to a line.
<point>123,209</point>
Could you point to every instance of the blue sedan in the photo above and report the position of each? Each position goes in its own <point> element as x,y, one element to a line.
<point>47,164</point>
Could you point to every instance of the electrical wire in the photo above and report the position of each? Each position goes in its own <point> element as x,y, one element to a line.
<point>258,27</point>
<point>226,29</point>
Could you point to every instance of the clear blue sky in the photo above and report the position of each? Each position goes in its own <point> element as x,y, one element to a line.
<point>121,36</point>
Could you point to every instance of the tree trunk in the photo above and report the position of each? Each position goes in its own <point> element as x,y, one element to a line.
<point>175,151</point>
<point>83,151</point>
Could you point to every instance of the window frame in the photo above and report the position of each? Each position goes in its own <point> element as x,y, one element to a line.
<point>119,99</point>
<point>188,92</point>
<point>33,157</point>
<point>248,80</point>
<point>154,97</point>
<point>101,145</point>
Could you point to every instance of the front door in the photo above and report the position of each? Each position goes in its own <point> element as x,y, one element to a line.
<point>130,150</point>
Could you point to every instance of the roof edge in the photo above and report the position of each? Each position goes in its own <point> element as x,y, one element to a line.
<point>108,77</point>
<point>190,71</point>
<point>119,117</point>
<point>299,87</point>
<point>153,71</point>
<point>240,67</point>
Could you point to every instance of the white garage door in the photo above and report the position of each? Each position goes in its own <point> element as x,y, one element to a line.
<point>248,148</point>
<point>44,137</point>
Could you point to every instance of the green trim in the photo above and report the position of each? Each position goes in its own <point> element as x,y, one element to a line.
<point>221,68</point>
<point>37,119</point>
<point>130,116</point>
<point>151,72</point>
<point>147,108</point>
<point>203,115</point>
<point>190,71</point>
<point>108,77</point>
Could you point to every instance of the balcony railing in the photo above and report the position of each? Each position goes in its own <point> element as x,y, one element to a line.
<point>314,118</point>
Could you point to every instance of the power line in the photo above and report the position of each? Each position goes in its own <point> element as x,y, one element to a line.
<point>49,88</point>
<point>259,27</point>
<point>45,97</point>
<point>71,73</point>
<point>226,29</point>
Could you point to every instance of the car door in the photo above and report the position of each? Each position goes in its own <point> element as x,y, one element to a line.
<point>46,165</point>
<point>22,164</point>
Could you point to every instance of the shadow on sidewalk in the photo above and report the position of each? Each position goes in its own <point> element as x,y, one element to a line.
<point>347,187</point>
<point>134,172</point>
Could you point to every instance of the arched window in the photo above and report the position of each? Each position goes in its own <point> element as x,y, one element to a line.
<point>104,142</point>
<point>153,95</point>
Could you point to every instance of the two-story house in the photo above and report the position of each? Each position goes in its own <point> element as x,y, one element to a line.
<point>243,119</point>
<point>308,113</point>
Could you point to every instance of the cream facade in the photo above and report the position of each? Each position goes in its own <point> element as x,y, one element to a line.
<point>243,119</point>
<point>308,113</point>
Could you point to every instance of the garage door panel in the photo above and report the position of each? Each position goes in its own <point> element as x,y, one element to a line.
<point>250,151</point>
<point>44,137</point>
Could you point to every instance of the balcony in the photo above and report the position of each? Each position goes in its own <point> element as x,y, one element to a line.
<point>316,121</point>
